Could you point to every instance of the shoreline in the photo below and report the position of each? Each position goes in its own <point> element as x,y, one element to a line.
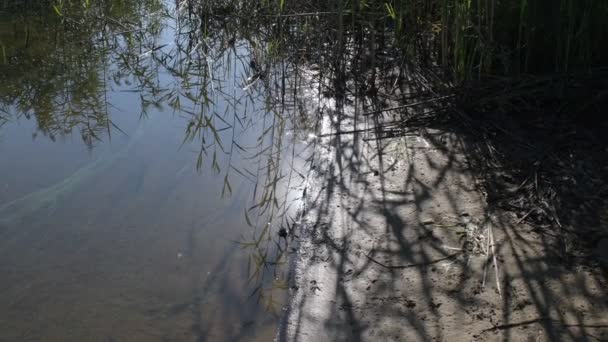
<point>399,244</point>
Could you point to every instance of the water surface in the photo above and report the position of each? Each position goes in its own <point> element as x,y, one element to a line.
<point>142,164</point>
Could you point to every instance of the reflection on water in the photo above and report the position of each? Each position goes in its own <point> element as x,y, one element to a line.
<point>147,158</point>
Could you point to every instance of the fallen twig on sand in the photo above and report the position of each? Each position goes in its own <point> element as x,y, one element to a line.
<point>492,243</point>
<point>413,265</point>
<point>543,320</point>
<point>487,263</point>
<point>524,217</point>
<point>490,251</point>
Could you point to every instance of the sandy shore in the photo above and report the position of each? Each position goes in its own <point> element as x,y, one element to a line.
<point>398,244</point>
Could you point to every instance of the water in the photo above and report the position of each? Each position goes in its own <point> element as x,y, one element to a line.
<point>144,174</point>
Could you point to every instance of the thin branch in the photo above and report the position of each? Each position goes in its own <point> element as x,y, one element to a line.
<point>413,265</point>
<point>408,105</point>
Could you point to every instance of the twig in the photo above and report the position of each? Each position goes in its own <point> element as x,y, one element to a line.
<point>357,131</point>
<point>297,14</point>
<point>491,234</point>
<point>487,263</point>
<point>390,136</point>
<point>522,184</point>
<point>413,265</point>
<point>541,320</point>
<point>524,217</point>
<point>408,105</point>
<point>119,23</point>
<point>452,248</point>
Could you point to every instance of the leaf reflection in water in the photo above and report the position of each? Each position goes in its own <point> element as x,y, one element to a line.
<point>226,77</point>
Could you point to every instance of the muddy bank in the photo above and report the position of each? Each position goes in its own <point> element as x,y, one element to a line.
<point>399,244</point>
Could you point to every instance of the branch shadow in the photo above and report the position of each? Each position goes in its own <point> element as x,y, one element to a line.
<point>402,244</point>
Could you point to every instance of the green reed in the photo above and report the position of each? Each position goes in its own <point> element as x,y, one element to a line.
<point>468,39</point>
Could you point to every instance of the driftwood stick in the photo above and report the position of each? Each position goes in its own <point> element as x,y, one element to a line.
<point>412,265</point>
<point>492,243</point>
<point>486,264</point>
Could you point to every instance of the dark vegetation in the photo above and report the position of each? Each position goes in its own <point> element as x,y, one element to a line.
<point>525,81</point>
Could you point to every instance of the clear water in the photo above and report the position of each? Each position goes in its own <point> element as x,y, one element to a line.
<point>144,175</point>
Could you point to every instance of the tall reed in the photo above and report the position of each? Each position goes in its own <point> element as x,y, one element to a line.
<point>469,39</point>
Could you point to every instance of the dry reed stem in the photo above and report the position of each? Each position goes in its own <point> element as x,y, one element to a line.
<point>492,244</point>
